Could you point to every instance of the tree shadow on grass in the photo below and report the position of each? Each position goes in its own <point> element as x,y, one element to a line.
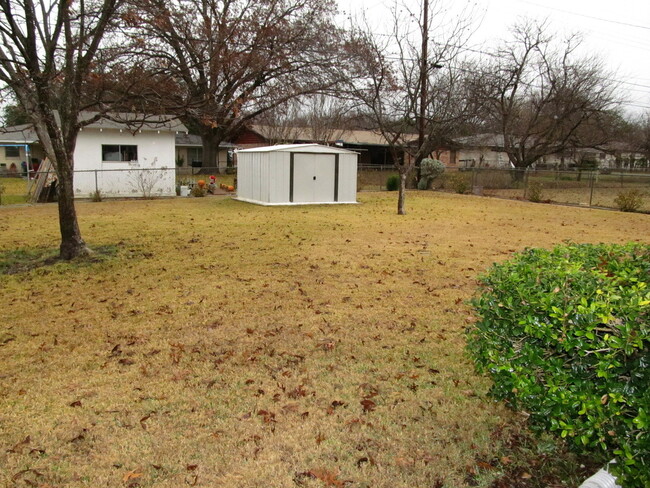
<point>19,261</point>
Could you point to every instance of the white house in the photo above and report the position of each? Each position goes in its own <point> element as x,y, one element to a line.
<point>126,155</point>
<point>120,155</point>
<point>297,174</point>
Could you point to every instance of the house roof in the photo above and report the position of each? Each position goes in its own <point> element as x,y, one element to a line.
<point>19,134</point>
<point>191,140</point>
<point>356,137</point>
<point>304,148</point>
<point>134,121</point>
<point>25,134</point>
<point>481,140</point>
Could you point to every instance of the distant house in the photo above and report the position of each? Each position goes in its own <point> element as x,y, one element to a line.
<point>487,151</point>
<point>371,146</point>
<point>189,154</point>
<point>479,151</point>
<point>18,147</point>
<point>122,155</point>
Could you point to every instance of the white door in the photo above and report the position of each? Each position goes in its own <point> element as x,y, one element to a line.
<point>313,177</point>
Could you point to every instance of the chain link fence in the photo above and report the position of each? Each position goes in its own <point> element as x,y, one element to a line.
<point>601,189</point>
<point>41,186</point>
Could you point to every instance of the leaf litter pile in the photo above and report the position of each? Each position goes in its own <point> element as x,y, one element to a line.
<point>226,344</point>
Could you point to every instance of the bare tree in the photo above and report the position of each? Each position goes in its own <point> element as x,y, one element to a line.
<point>417,96</point>
<point>48,54</point>
<point>280,123</point>
<point>543,98</point>
<point>637,136</point>
<point>233,60</point>
<point>320,118</point>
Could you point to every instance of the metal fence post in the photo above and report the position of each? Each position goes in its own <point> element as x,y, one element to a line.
<point>591,189</point>
<point>96,186</point>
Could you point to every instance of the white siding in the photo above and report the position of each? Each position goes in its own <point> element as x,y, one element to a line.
<point>279,177</point>
<point>112,178</point>
<point>347,178</point>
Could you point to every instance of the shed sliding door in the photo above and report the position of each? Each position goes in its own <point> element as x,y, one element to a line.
<point>313,178</point>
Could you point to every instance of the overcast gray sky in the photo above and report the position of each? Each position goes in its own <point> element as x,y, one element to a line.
<point>618,31</point>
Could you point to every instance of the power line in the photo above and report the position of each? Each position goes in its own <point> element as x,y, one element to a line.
<point>586,16</point>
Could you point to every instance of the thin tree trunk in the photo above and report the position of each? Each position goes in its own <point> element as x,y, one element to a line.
<point>72,245</point>
<point>402,193</point>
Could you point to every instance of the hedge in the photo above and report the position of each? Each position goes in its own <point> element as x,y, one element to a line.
<point>565,336</point>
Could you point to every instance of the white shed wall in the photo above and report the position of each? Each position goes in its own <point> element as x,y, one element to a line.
<point>279,177</point>
<point>120,179</point>
<point>347,178</point>
<point>265,176</point>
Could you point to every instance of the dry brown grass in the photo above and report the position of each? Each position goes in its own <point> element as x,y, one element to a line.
<point>602,197</point>
<point>232,345</point>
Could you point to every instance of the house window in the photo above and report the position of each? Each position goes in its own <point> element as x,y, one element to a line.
<point>12,152</point>
<point>194,154</point>
<point>119,153</point>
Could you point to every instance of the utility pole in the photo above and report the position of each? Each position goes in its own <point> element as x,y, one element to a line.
<point>424,64</point>
<point>424,84</point>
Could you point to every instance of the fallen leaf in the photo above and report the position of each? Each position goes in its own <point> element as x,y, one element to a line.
<point>362,460</point>
<point>143,420</point>
<point>484,465</point>
<point>6,338</point>
<point>18,448</point>
<point>368,405</point>
<point>330,478</point>
<point>131,475</point>
<point>268,417</point>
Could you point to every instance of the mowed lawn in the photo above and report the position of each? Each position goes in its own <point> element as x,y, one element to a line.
<point>222,344</point>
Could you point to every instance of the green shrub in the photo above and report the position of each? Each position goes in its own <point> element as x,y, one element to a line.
<point>430,169</point>
<point>392,183</point>
<point>459,182</point>
<point>565,335</point>
<point>629,201</point>
<point>534,191</point>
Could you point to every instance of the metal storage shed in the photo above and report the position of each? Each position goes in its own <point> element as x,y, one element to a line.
<point>297,174</point>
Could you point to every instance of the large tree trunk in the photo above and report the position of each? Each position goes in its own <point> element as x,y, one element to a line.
<point>210,142</point>
<point>402,193</point>
<point>72,245</point>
